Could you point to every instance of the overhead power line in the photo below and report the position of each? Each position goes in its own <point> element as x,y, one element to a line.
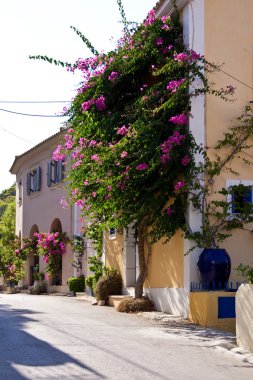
<point>18,137</point>
<point>29,114</point>
<point>34,101</point>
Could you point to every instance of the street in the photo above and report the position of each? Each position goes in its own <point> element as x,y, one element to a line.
<point>54,337</point>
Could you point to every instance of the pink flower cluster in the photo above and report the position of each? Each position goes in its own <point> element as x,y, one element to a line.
<point>185,160</point>
<point>58,155</point>
<point>169,144</point>
<point>174,84</point>
<point>50,244</point>
<point>150,19</point>
<point>180,119</point>
<point>187,57</point>
<point>99,103</point>
<point>113,76</point>
<point>142,166</point>
<point>122,131</point>
<point>179,185</point>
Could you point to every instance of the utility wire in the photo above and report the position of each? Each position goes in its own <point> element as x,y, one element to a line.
<point>35,101</point>
<point>18,137</point>
<point>238,80</point>
<point>29,114</point>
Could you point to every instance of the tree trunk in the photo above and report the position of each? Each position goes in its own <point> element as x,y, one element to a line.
<point>142,261</point>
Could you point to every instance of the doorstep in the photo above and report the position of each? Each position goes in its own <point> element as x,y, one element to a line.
<point>115,300</point>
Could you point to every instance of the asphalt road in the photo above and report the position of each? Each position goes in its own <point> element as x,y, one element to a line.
<point>49,337</point>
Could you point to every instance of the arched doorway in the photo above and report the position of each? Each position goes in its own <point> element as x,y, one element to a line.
<point>33,259</point>
<point>57,279</point>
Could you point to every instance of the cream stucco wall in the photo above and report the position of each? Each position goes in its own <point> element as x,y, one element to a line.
<point>114,253</point>
<point>166,264</point>
<point>43,207</point>
<point>229,40</point>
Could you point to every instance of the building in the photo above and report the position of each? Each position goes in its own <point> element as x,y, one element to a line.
<point>41,185</point>
<point>222,31</point>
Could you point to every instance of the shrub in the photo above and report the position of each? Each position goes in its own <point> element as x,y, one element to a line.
<point>76,284</point>
<point>108,285</point>
<point>129,305</point>
<point>246,271</point>
<point>39,276</point>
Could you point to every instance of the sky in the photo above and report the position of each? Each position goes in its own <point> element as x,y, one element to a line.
<point>42,27</point>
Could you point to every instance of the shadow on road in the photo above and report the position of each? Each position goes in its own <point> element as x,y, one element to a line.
<point>19,350</point>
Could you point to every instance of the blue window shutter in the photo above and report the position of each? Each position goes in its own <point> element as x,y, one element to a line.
<point>59,171</point>
<point>38,178</point>
<point>28,183</point>
<point>49,174</point>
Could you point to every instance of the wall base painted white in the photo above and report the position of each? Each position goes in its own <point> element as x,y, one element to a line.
<point>174,301</point>
<point>244,317</point>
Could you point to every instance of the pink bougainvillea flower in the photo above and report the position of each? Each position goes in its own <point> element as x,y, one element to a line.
<point>179,185</point>
<point>69,144</point>
<point>175,84</point>
<point>122,131</point>
<point>92,143</point>
<point>142,166</point>
<point>150,19</point>
<point>179,119</point>
<point>185,160</point>
<point>181,57</point>
<point>70,130</point>
<point>109,188</point>
<point>86,105</point>
<point>95,157</point>
<point>58,155</point>
<point>108,196</point>
<point>169,144</point>
<point>100,103</point>
<point>80,203</point>
<point>169,211</point>
<point>123,154</point>
<point>76,164</point>
<point>86,182</point>
<point>113,76</point>
<point>94,194</point>
<point>159,41</point>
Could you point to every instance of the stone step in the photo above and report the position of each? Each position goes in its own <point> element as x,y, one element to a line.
<point>115,300</point>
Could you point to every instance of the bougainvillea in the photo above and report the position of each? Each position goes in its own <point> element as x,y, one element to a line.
<point>51,246</point>
<point>129,143</point>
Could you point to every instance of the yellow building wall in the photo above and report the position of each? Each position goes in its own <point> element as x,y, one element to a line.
<point>166,264</point>
<point>204,310</point>
<point>229,40</point>
<point>114,252</point>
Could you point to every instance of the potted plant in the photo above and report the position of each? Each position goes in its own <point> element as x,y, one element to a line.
<point>222,210</point>
<point>39,285</point>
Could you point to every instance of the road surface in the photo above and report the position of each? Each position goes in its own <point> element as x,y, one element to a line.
<point>54,337</point>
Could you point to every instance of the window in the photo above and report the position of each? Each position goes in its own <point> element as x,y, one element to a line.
<point>112,233</point>
<point>242,194</point>
<point>19,192</point>
<point>54,172</point>
<point>33,182</point>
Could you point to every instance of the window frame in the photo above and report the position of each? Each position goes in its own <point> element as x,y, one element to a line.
<point>237,182</point>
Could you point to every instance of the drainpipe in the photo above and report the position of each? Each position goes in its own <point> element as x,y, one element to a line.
<point>75,233</point>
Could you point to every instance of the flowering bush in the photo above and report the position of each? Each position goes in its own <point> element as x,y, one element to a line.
<point>51,246</point>
<point>12,259</point>
<point>130,147</point>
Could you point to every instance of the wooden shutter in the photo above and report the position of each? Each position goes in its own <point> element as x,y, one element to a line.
<point>59,175</point>
<point>37,179</point>
<point>28,183</point>
<point>49,174</point>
